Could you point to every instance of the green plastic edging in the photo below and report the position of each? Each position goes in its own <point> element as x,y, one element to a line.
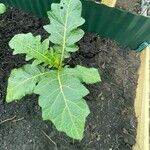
<point>130,30</point>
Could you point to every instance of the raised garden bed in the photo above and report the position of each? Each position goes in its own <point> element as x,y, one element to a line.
<point>111,123</point>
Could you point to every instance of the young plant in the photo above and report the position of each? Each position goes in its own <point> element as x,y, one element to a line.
<point>59,87</point>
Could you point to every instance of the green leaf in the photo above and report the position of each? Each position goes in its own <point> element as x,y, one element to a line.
<point>2,8</point>
<point>32,47</point>
<point>87,75</point>
<point>61,99</point>
<point>22,81</point>
<point>65,18</point>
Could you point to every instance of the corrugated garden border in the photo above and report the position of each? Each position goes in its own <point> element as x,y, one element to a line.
<point>130,30</point>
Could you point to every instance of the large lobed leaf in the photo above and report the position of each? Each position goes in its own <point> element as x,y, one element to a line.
<point>86,75</point>
<point>60,94</point>
<point>65,18</point>
<point>22,81</point>
<point>32,47</point>
<point>61,99</point>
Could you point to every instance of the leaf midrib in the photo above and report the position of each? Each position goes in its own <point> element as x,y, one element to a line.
<point>65,31</point>
<point>65,100</point>
<point>49,60</point>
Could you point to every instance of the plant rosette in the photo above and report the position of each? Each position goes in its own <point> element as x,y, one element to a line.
<point>60,89</point>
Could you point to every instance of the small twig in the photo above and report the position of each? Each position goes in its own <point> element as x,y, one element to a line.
<point>16,120</point>
<point>49,138</point>
<point>9,119</point>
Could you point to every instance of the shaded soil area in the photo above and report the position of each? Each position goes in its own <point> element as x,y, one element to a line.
<point>130,5</point>
<point>111,124</point>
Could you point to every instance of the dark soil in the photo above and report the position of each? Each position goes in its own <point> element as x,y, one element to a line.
<point>130,5</point>
<point>111,124</point>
